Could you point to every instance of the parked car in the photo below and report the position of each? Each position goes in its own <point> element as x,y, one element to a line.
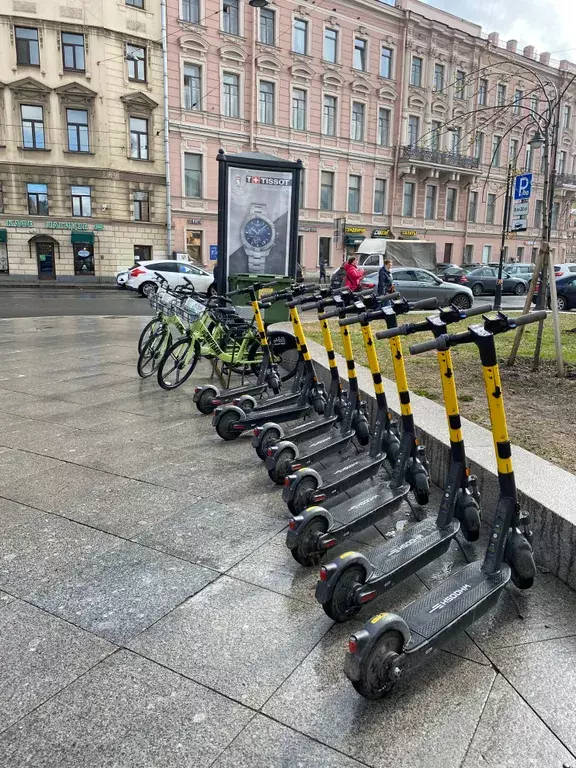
<point>483,280</point>
<point>565,292</point>
<point>415,284</point>
<point>563,270</point>
<point>523,271</point>
<point>143,280</point>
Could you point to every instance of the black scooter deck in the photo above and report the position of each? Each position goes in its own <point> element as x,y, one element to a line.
<point>459,595</point>
<point>347,473</point>
<point>399,553</point>
<point>320,446</point>
<point>362,510</point>
<point>275,402</point>
<point>309,429</point>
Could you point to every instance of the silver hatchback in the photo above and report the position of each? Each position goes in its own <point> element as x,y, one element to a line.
<point>416,284</point>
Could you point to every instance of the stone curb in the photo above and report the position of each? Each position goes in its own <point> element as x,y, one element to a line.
<point>546,491</point>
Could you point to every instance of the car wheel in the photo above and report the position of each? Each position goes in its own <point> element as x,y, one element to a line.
<point>520,289</point>
<point>148,289</point>
<point>462,301</point>
<point>477,289</point>
<point>561,303</point>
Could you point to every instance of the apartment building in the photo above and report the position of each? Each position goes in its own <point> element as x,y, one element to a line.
<point>82,183</point>
<point>405,118</point>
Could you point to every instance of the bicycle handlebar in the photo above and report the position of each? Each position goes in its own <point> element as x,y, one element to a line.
<point>408,328</point>
<point>161,278</point>
<point>446,340</point>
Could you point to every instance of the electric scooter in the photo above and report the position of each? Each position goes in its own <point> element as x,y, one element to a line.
<point>392,645</point>
<point>308,437</point>
<point>208,397</point>
<point>353,579</point>
<point>232,420</point>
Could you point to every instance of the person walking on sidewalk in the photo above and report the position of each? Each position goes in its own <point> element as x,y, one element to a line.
<point>322,269</point>
<point>353,274</point>
<point>385,282</point>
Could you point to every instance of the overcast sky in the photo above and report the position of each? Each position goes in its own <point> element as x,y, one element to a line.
<point>547,24</point>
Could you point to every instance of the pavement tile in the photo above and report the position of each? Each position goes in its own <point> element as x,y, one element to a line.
<point>237,638</point>
<point>121,591</point>
<point>533,745</point>
<point>40,655</point>
<point>211,534</point>
<point>37,548</point>
<point>426,722</point>
<point>126,712</point>
<point>544,675</point>
<point>267,744</point>
<point>5,598</point>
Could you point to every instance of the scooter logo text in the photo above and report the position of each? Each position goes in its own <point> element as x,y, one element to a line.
<point>452,596</point>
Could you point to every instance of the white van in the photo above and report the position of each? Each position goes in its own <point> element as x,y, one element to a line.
<point>404,253</point>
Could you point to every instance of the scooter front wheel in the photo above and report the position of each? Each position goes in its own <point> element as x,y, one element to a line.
<point>421,488</point>
<point>301,498</point>
<point>281,467</point>
<point>521,561</point>
<point>381,672</point>
<point>270,437</point>
<point>306,551</point>
<point>469,517</point>
<point>341,606</point>
<point>204,402</point>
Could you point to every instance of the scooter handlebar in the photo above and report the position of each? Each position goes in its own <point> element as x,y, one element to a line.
<point>425,346</point>
<point>531,317</point>
<point>408,328</point>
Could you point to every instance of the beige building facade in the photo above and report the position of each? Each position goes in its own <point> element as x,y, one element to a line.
<point>82,184</point>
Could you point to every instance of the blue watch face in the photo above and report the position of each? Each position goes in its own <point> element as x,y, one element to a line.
<point>258,233</point>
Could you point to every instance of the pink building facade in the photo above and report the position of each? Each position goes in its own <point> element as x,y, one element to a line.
<point>405,120</point>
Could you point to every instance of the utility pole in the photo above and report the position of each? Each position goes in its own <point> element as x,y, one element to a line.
<point>505,228</point>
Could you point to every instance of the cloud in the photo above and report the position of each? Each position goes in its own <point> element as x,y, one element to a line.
<point>547,26</point>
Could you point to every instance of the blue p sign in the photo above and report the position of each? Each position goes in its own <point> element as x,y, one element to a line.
<point>523,186</point>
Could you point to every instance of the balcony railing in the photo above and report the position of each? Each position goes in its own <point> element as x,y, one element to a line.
<point>566,180</point>
<point>435,157</point>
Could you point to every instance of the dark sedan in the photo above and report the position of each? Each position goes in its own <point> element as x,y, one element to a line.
<point>484,279</point>
<point>565,293</point>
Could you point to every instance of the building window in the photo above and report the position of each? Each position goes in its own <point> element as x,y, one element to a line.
<point>360,54</point>
<point>231,17</point>
<point>1,199</point>
<point>142,253</point>
<point>386,63</point>
<point>73,51</point>
<point>327,191</point>
<point>566,117</point>
<point>330,52</point>
<point>33,127</point>
<point>456,139</point>
<point>299,109</point>
<point>330,112</point>
<point>451,194</point>
<point>479,146</point>
<point>520,253</point>
<point>408,198</point>
<point>431,196</point>
<point>435,132</point>
<point>136,58</point>
<point>534,104</point>
<point>413,130</point>
<point>555,216</point>
<point>416,72</point>
<point>77,127</point>
<point>191,11</point>
<point>513,151</point>
<point>538,213</point>
<point>141,203</point>
<point>561,162</point>
<point>301,195</point>
<point>37,199</point>
<point>231,94</point>
<point>384,127</point>
<point>460,85</point>
<point>354,194</point>
<point>500,95</point>
<point>300,36</point>
<point>490,208</point>
<point>529,158</point>
<point>27,47</point>
<point>135,3</point>
<point>266,102</point>
<point>267,26</point>
<point>439,77</point>
<point>496,143</point>
<point>357,121</point>
<point>192,175</point>
<point>379,195</point>
<point>482,92</point>
<point>518,96</point>
<point>192,86</point>
<point>81,201</point>
<point>138,138</point>
<point>472,206</point>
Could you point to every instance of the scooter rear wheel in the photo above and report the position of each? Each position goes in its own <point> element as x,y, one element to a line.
<point>306,552</point>
<point>268,440</point>
<point>341,606</point>
<point>301,498</point>
<point>379,677</point>
<point>204,403</point>
<point>281,466</point>
<point>224,426</point>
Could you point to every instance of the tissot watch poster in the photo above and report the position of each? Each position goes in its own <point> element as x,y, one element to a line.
<point>259,209</point>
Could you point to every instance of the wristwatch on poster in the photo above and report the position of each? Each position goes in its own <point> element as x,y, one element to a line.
<point>257,235</point>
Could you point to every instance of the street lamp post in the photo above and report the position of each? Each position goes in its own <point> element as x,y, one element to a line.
<point>505,228</point>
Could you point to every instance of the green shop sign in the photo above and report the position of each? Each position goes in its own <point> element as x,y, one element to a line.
<point>66,225</point>
<point>19,223</point>
<point>73,225</point>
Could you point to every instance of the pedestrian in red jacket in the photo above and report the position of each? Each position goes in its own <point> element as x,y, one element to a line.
<point>353,274</point>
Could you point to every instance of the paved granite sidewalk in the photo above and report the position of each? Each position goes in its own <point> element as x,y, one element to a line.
<point>151,616</point>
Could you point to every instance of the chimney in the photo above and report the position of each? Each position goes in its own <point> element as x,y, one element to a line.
<point>545,58</point>
<point>511,45</point>
<point>529,52</point>
<point>494,38</point>
<point>565,64</point>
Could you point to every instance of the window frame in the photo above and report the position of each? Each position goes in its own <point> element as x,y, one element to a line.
<point>460,84</point>
<point>139,156</point>
<point>383,192</point>
<point>141,205</point>
<point>491,208</point>
<point>77,127</point>
<point>501,92</point>
<point>412,185</point>
<point>482,91</point>
<point>191,4</point>
<point>226,98</point>
<point>439,77</point>
<point>228,17</point>
<point>81,197</point>
<point>389,59</point>
<point>29,41</point>
<point>303,112</point>
<point>36,195</point>
<point>295,21</point>
<point>388,123</point>
<point>496,151</point>
<point>419,70</point>
<point>135,4</point>
<point>74,47</point>
<point>434,200</point>
<point>186,89</point>
<point>357,191</point>
<point>330,188</point>
<point>452,201</point>
<point>33,123</point>
<point>336,39</point>
<point>262,26</point>
<point>134,64</point>
<point>267,102</point>
<point>409,125</point>
<point>199,179</point>
<point>324,117</point>
<point>354,121</point>
<point>472,206</point>
<point>362,54</point>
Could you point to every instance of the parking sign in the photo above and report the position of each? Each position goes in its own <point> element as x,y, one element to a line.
<point>523,186</point>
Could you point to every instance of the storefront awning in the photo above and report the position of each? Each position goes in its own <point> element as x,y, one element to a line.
<point>353,239</point>
<point>3,235</point>
<point>82,237</point>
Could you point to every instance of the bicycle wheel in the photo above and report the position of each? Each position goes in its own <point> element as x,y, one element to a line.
<point>178,362</point>
<point>286,355</point>
<point>152,353</point>
<point>149,330</point>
